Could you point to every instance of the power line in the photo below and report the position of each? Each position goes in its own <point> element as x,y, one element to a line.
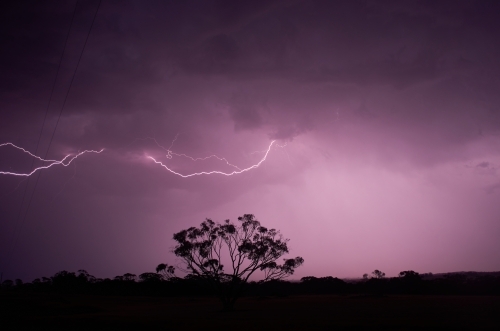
<point>73,78</point>
<point>58,118</point>
<point>41,130</point>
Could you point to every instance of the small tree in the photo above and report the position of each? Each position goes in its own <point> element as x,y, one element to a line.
<point>7,283</point>
<point>378,274</point>
<point>247,247</point>
<point>410,275</point>
<point>129,277</point>
<point>150,277</point>
<point>411,281</point>
<point>166,271</point>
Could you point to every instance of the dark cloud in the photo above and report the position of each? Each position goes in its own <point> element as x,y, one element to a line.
<point>292,131</point>
<point>483,165</point>
<point>217,56</point>
<point>245,111</point>
<point>402,87</point>
<point>490,189</point>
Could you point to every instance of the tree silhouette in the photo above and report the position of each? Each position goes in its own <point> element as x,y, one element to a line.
<point>150,277</point>
<point>378,274</point>
<point>166,271</point>
<point>7,283</point>
<point>129,277</point>
<point>247,247</point>
<point>409,274</point>
<point>411,281</point>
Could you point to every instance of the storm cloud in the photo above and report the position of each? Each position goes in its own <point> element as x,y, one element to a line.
<point>388,111</point>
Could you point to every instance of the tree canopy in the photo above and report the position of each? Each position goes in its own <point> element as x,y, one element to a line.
<point>227,254</point>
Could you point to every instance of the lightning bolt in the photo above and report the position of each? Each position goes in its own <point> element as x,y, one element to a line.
<point>235,172</point>
<point>68,159</point>
<point>170,153</point>
<point>277,145</point>
<point>65,161</point>
<point>280,146</point>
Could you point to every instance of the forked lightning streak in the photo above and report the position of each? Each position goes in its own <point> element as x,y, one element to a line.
<point>235,172</point>
<point>65,161</point>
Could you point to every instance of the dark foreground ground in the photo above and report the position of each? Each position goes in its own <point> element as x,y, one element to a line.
<point>65,312</point>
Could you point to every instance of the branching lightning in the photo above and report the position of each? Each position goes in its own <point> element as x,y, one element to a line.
<point>65,161</point>
<point>280,146</point>
<point>235,172</point>
<point>170,153</point>
<point>68,159</point>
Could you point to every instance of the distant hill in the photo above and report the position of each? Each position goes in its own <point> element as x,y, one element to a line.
<point>431,276</point>
<point>466,274</point>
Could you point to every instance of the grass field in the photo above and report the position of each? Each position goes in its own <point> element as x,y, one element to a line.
<point>63,312</point>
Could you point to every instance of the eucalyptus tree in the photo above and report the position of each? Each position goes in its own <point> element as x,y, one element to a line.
<point>378,274</point>
<point>166,271</point>
<point>225,255</point>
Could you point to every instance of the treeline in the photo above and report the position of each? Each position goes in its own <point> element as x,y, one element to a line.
<point>155,284</point>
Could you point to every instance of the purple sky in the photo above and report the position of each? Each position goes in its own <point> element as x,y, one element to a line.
<point>390,112</point>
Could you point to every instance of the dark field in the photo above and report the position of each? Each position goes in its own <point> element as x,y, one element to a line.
<point>52,311</point>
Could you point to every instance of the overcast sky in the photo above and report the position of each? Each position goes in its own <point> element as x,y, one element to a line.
<point>386,116</point>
